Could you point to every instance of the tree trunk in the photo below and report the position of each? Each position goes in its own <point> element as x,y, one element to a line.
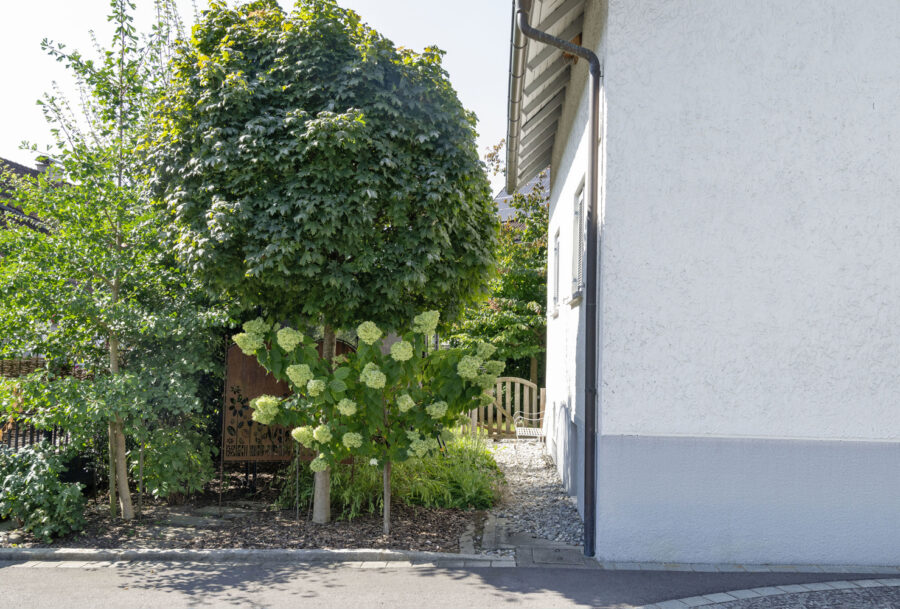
<point>386,509</point>
<point>122,472</point>
<point>534,371</point>
<point>322,480</point>
<point>113,500</point>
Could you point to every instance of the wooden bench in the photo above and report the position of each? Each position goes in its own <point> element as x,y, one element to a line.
<point>527,428</point>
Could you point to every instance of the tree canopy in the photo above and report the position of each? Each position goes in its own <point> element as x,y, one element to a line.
<point>314,169</point>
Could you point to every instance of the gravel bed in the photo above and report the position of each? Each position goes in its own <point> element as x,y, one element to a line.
<point>535,502</point>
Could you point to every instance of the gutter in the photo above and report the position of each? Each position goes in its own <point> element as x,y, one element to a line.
<point>517,73</point>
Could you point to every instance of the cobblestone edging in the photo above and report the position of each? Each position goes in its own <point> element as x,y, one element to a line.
<point>739,598</point>
<point>391,557</point>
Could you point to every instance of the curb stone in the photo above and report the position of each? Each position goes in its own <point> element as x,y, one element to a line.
<point>771,591</point>
<point>239,555</point>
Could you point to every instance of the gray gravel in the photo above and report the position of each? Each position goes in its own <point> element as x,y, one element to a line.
<point>535,502</point>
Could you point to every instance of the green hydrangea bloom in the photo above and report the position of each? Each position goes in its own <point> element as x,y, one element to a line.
<point>494,367</point>
<point>303,435</point>
<point>352,440</point>
<point>412,436</point>
<point>426,323</point>
<point>468,366</point>
<point>368,332</point>
<point>315,387</point>
<point>288,339</point>
<point>319,464</point>
<point>300,374</point>
<point>346,407</point>
<point>257,326</point>
<point>436,410</point>
<point>402,350</point>
<point>405,403</point>
<point>418,448</point>
<point>248,342</point>
<point>372,376</point>
<point>485,399</point>
<point>322,434</point>
<point>485,381</point>
<point>485,350</point>
<point>265,408</point>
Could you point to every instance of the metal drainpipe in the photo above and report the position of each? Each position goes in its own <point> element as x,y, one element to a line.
<point>590,281</point>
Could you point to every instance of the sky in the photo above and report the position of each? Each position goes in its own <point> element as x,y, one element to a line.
<point>474,34</point>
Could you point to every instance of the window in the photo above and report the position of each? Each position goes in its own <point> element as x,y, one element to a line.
<point>578,244</point>
<point>555,301</point>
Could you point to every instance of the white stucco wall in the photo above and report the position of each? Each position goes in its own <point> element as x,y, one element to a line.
<point>751,248</point>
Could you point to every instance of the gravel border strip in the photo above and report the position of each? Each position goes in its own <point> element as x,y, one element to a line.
<point>238,555</point>
<point>767,591</point>
<point>742,568</point>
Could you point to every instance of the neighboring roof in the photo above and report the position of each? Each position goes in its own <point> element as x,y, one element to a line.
<point>538,77</point>
<point>10,212</point>
<point>504,210</point>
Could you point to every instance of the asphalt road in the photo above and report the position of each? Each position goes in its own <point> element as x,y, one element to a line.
<point>168,585</point>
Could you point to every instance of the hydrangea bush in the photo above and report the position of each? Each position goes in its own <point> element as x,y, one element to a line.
<point>377,407</point>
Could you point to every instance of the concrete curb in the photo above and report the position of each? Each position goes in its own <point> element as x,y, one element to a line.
<point>769,591</point>
<point>238,555</point>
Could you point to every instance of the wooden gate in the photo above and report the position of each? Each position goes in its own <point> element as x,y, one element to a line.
<point>511,396</point>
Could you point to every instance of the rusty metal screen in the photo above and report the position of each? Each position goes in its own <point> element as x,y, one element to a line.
<point>243,439</point>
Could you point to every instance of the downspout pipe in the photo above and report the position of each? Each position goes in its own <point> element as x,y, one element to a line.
<point>590,276</point>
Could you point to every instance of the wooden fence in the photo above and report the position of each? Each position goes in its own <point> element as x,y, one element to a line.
<point>511,396</point>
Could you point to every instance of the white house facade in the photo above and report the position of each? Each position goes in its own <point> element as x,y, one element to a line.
<point>748,402</point>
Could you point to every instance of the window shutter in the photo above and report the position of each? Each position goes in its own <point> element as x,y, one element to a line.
<point>578,242</point>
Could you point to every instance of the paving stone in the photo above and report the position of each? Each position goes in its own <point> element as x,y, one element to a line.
<point>557,556</point>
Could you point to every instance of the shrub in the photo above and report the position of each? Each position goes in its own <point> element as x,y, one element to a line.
<point>463,475</point>
<point>177,462</point>
<point>32,494</point>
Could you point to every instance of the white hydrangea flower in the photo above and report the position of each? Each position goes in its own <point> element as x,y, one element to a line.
<point>249,342</point>
<point>347,407</point>
<point>372,377</point>
<point>426,323</point>
<point>368,332</point>
<point>485,350</point>
<point>322,434</point>
<point>436,410</point>
<point>257,326</point>
<point>300,374</point>
<point>373,461</point>
<point>265,408</point>
<point>303,435</point>
<point>288,339</point>
<point>405,402</point>
<point>315,387</point>
<point>468,366</point>
<point>418,448</point>
<point>352,440</point>
<point>319,464</point>
<point>494,367</point>
<point>402,351</point>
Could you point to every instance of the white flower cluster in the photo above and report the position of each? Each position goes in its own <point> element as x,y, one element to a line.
<point>494,367</point>
<point>468,366</point>
<point>322,434</point>
<point>319,464</point>
<point>485,350</point>
<point>257,326</point>
<point>315,387</point>
<point>352,440</point>
<point>419,447</point>
<point>288,339</point>
<point>249,343</point>
<point>347,407</point>
<point>402,350</point>
<point>303,435</point>
<point>372,376</point>
<point>405,402</point>
<point>368,332</point>
<point>300,374</point>
<point>426,323</point>
<point>436,410</point>
<point>265,408</point>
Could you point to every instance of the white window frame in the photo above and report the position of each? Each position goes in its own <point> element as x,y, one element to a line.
<point>554,303</point>
<point>578,243</point>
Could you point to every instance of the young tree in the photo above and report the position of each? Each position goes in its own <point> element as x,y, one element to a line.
<point>96,288</point>
<point>513,317</point>
<point>378,407</point>
<point>314,170</point>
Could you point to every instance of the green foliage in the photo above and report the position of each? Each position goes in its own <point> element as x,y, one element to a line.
<point>369,405</point>
<point>311,168</point>
<point>463,475</point>
<point>31,493</point>
<point>177,462</point>
<point>513,318</point>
